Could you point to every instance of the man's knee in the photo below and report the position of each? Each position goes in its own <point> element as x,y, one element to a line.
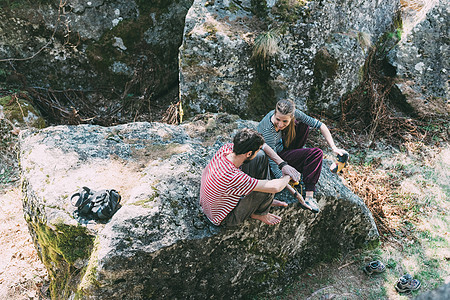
<point>261,158</point>
<point>258,167</point>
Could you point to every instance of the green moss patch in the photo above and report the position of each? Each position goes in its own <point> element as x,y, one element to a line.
<point>89,278</point>
<point>289,10</point>
<point>21,112</point>
<point>60,247</point>
<point>148,203</point>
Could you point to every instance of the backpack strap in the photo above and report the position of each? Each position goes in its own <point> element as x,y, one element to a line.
<point>83,196</point>
<point>77,200</point>
<point>99,196</point>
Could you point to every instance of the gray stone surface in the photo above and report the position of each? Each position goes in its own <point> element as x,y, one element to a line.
<point>322,48</point>
<point>422,59</point>
<point>441,293</point>
<point>158,244</point>
<point>92,46</point>
<point>97,47</point>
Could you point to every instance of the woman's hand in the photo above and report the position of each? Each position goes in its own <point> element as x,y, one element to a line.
<point>291,171</point>
<point>338,151</point>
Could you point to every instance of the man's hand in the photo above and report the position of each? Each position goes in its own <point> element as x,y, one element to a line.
<point>292,172</point>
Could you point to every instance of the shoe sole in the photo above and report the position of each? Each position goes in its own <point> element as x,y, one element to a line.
<point>314,206</point>
<point>307,208</point>
<point>406,290</point>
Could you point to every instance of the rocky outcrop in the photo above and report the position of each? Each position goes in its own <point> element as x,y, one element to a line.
<point>114,59</point>
<point>318,49</point>
<point>422,57</point>
<point>158,244</point>
<point>99,48</point>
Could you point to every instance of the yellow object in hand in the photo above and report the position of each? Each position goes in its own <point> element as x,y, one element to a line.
<point>293,183</point>
<point>340,164</point>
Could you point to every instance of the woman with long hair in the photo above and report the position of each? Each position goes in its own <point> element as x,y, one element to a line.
<point>285,130</point>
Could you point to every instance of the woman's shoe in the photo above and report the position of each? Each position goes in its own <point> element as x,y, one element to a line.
<point>311,202</point>
<point>304,206</point>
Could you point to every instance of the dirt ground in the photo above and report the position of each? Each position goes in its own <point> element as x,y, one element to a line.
<point>22,274</point>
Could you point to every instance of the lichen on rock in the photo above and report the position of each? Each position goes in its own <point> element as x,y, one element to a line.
<point>421,59</point>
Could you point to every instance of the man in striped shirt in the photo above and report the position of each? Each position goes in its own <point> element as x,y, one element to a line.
<point>229,196</point>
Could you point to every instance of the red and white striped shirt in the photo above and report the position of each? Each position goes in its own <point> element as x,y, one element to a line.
<point>223,185</point>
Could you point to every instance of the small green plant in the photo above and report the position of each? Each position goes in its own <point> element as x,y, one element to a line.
<point>266,46</point>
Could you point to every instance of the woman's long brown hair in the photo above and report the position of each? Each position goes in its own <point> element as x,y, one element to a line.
<point>287,107</point>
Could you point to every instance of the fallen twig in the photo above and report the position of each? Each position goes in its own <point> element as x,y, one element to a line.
<point>347,264</point>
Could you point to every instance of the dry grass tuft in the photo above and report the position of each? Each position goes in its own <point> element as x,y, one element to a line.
<point>173,114</point>
<point>266,46</point>
<point>377,188</point>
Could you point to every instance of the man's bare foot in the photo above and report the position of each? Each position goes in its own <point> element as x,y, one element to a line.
<point>269,219</point>
<point>279,203</point>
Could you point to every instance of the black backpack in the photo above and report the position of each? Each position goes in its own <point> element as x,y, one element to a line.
<point>96,205</point>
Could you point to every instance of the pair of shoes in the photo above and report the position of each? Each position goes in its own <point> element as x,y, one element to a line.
<point>375,266</point>
<point>311,202</point>
<point>407,284</point>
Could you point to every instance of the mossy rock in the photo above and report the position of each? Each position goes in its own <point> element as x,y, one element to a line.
<point>63,250</point>
<point>20,112</point>
<point>290,11</point>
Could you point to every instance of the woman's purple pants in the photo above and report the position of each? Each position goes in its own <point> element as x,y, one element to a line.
<point>307,161</point>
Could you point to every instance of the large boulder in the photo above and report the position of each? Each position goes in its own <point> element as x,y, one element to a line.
<point>102,49</point>
<point>422,58</point>
<point>158,244</point>
<point>318,50</point>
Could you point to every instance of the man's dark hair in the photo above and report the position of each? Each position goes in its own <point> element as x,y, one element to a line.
<point>247,140</point>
